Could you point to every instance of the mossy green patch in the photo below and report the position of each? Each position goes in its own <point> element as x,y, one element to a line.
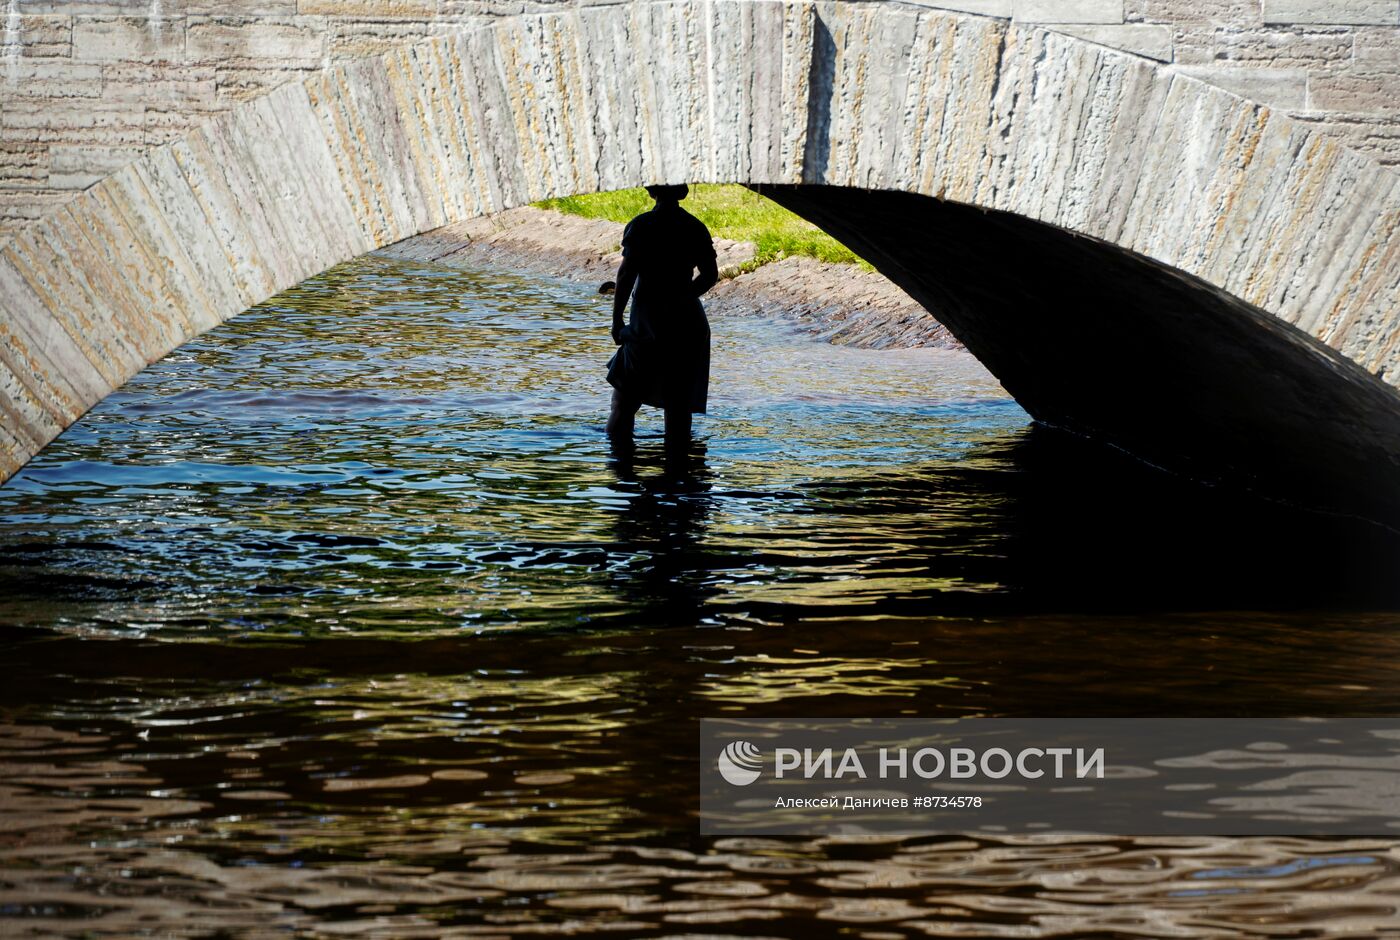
<point>731,212</point>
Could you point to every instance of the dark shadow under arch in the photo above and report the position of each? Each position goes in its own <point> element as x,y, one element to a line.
<point>1111,345</point>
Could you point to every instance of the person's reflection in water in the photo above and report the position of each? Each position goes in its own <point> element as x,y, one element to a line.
<point>664,354</point>
<point>663,527</point>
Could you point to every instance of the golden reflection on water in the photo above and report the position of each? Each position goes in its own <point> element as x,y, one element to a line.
<point>514,784</point>
<point>421,878</point>
<point>346,620</point>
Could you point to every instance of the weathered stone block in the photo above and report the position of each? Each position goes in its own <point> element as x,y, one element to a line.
<point>353,38</point>
<point>29,204</point>
<point>16,154</point>
<point>79,166</point>
<point>133,8</point>
<point>1278,88</point>
<point>160,208</point>
<point>50,79</point>
<point>1354,90</point>
<point>44,35</point>
<point>72,121</point>
<point>1375,134</point>
<point>163,125</point>
<point>154,85</point>
<point>1154,42</point>
<point>412,9</point>
<point>1342,12</point>
<point>26,418</point>
<point>1273,47</point>
<point>128,38</point>
<point>37,346</point>
<point>55,261</point>
<point>92,242</point>
<point>241,7</point>
<point>1068,11</point>
<point>307,158</point>
<point>452,29</point>
<point>240,83</point>
<point>291,42</point>
<point>1377,49</point>
<point>1002,8</point>
<point>23,165</point>
<point>153,269</point>
<point>495,9</point>
<point>1193,12</point>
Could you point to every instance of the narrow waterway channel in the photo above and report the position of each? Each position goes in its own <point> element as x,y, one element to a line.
<point>347,615</point>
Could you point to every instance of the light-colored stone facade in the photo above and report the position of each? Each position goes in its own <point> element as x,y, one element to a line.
<point>86,85</point>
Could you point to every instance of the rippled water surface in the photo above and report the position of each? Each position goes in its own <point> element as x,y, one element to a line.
<point>346,618</point>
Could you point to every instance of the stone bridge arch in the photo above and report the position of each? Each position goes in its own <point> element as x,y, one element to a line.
<point>1139,256</point>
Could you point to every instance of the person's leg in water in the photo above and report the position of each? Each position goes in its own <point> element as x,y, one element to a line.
<point>678,428</point>
<point>676,406</point>
<point>622,458</point>
<point>676,399</point>
<point>623,419</point>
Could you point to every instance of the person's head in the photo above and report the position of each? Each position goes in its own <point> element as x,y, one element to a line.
<point>668,194</point>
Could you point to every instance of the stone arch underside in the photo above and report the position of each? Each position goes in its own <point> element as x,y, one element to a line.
<point>1226,281</point>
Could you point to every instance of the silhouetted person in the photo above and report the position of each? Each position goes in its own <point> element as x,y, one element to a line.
<point>664,359</point>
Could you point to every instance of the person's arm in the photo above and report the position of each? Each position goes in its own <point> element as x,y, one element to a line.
<point>705,260</point>
<point>626,279</point>
<point>708,276</point>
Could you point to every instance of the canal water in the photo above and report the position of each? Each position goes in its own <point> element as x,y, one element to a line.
<point>346,618</point>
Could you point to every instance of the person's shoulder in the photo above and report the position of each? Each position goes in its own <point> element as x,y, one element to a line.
<point>645,219</point>
<point>638,224</point>
<point>699,235</point>
<point>695,225</point>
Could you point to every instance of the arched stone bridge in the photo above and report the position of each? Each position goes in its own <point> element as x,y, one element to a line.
<point>1140,257</point>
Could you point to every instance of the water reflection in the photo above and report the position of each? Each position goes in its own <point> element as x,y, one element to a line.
<point>663,529</point>
<point>346,618</point>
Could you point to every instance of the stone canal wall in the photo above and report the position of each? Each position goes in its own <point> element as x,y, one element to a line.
<point>88,85</point>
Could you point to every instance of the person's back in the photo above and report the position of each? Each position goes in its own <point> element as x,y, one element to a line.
<point>666,245</point>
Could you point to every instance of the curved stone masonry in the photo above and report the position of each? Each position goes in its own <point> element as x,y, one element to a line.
<point>1273,219</point>
<point>87,85</point>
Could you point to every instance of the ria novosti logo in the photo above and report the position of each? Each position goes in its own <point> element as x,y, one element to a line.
<point>740,763</point>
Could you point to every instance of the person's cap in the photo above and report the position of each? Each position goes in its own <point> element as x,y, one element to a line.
<point>674,191</point>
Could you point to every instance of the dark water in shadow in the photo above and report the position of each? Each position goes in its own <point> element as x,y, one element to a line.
<point>346,618</point>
